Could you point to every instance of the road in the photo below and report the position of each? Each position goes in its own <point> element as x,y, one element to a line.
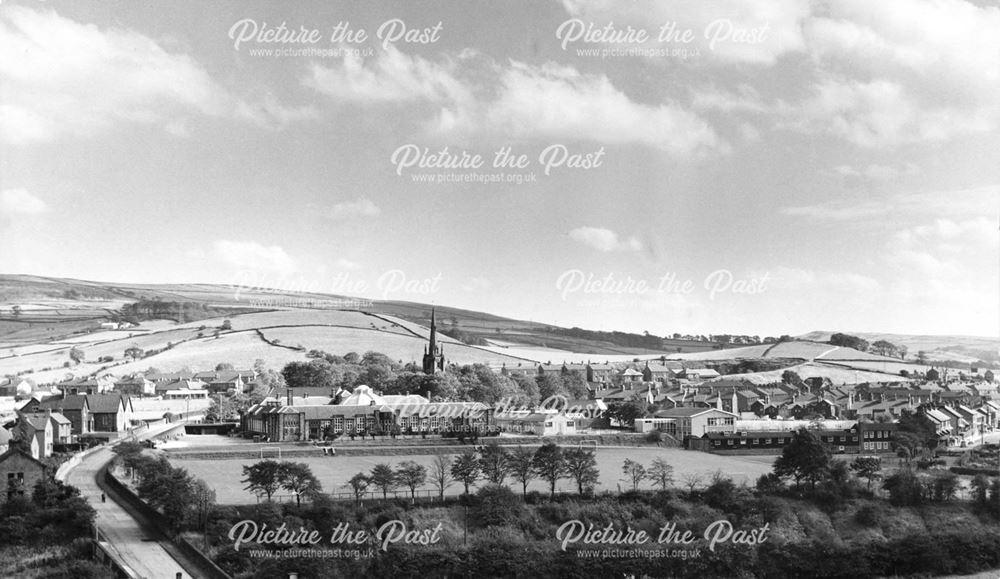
<point>145,556</point>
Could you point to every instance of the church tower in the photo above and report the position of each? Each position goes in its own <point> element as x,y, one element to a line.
<point>433,353</point>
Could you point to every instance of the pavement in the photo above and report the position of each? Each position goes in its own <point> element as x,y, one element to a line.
<point>125,536</point>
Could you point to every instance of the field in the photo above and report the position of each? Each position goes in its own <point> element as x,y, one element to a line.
<point>838,374</point>
<point>240,349</point>
<point>333,472</point>
<point>401,347</point>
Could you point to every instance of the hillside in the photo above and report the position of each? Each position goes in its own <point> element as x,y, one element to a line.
<point>960,349</point>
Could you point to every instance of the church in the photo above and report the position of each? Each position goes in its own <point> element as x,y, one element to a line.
<point>433,352</point>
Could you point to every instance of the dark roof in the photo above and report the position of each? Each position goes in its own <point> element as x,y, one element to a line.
<point>105,403</point>
<point>13,451</point>
<point>70,402</point>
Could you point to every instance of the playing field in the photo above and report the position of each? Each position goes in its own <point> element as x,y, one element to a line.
<point>333,472</point>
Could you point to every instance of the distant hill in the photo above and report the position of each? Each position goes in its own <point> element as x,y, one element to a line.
<point>962,349</point>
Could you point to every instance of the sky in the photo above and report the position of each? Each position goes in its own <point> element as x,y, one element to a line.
<point>757,167</point>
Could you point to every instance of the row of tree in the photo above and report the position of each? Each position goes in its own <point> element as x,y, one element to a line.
<point>184,500</point>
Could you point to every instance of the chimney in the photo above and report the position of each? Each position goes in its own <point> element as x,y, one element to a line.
<point>290,402</point>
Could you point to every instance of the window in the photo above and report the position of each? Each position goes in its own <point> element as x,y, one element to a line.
<point>767,441</point>
<point>549,423</point>
<point>718,443</point>
<point>730,442</point>
<point>756,441</point>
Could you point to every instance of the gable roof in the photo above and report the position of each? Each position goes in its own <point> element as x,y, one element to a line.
<point>107,403</point>
<point>15,451</point>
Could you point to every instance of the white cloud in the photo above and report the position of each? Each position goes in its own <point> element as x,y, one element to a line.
<point>20,202</point>
<point>473,96</point>
<point>253,256</point>
<point>777,25</point>
<point>353,209</point>
<point>604,240</point>
<point>391,77</point>
<point>65,78</point>
<point>912,207</point>
<point>558,102</point>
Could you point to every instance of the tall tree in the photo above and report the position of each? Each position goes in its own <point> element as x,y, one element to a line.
<point>550,465</point>
<point>522,467</point>
<point>298,479</point>
<point>263,478</point>
<point>494,462</point>
<point>358,485</point>
<point>466,469</point>
<point>661,473</point>
<point>867,467</point>
<point>411,475</point>
<point>441,474</point>
<point>383,477</point>
<point>581,466</point>
<point>806,457</point>
<point>635,471</point>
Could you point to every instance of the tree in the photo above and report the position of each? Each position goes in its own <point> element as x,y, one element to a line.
<point>867,467</point>
<point>848,341</point>
<point>945,485</point>
<point>493,461</point>
<point>298,479</point>
<point>885,348</point>
<point>661,473</point>
<point>635,471</point>
<point>224,366</point>
<point>441,474</point>
<point>905,488</point>
<point>263,478</point>
<point>522,467</point>
<point>692,481</point>
<point>358,485</point>
<point>16,310</point>
<point>790,377</point>
<point>76,354</point>
<point>466,469</point>
<point>581,466</point>
<point>626,412</point>
<point>227,325</point>
<point>134,352</point>
<point>806,457</point>
<point>550,465</point>
<point>411,475</point>
<point>383,477</point>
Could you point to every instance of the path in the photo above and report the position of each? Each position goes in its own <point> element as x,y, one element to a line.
<point>146,557</point>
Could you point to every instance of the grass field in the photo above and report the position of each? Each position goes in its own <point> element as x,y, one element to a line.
<point>400,347</point>
<point>240,349</point>
<point>333,472</point>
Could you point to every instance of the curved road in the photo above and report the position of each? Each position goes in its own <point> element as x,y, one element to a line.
<point>146,557</point>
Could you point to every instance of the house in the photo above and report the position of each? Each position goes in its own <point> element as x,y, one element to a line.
<point>164,386</point>
<point>35,433</point>
<point>87,385</point>
<point>518,370</point>
<point>135,385</point>
<point>661,371</point>
<point>74,407</point>
<point>541,424</point>
<point>21,471</point>
<point>631,375</point>
<point>110,412</point>
<point>687,421</point>
<point>602,373</point>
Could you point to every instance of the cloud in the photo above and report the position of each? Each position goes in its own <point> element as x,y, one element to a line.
<point>20,202</point>
<point>63,78</point>
<point>913,207</point>
<point>353,209</point>
<point>778,25</point>
<point>558,102</point>
<point>391,77</point>
<point>253,256</point>
<point>475,96</point>
<point>604,240</point>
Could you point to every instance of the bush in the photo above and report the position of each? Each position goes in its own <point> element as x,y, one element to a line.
<point>497,505</point>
